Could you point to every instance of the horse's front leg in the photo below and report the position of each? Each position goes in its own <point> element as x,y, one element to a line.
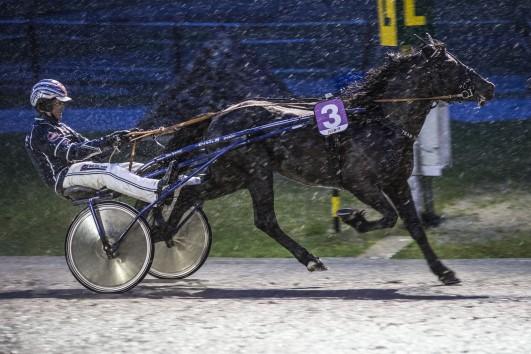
<point>401,197</point>
<point>262,194</point>
<point>372,196</point>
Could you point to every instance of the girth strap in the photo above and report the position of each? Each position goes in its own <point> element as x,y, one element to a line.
<point>335,157</point>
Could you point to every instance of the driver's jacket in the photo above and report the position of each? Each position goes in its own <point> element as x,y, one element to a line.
<point>54,146</point>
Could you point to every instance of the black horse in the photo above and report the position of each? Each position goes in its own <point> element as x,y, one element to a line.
<point>372,159</point>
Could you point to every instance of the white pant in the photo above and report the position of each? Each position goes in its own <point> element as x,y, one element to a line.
<point>114,176</point>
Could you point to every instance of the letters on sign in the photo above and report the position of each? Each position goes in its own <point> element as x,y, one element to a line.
<point>388,12</point>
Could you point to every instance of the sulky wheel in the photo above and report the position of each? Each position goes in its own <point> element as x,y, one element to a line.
<point>188,249</point>
<point>88,261</point>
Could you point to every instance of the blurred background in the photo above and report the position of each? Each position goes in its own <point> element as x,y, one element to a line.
<point>128,63</point>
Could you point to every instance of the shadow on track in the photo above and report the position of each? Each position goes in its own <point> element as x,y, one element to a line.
<point>169,291</point>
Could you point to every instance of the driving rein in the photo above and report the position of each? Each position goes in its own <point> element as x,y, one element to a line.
<point>468,93</point>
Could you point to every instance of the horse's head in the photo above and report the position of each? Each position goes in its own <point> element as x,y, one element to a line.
<point>449,76</point>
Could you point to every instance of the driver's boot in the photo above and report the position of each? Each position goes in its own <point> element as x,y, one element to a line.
<point>165,181</point>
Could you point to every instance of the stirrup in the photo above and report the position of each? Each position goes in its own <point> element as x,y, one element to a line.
<point>169,173</point>
<point>165,180</point>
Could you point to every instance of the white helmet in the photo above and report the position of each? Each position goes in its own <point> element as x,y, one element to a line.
<point>48,89</point>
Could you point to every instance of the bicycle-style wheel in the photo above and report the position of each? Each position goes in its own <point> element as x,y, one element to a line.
<point>190,246</point>
<point>87,259</point>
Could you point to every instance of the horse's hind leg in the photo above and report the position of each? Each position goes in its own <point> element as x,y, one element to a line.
<point>401,197</point>
<point>261,189</point>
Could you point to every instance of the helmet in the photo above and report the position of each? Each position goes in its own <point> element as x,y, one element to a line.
<point>48,89</point>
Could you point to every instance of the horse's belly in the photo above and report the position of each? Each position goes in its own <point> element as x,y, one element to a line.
<point>307,164</point>
<point>308,180</point>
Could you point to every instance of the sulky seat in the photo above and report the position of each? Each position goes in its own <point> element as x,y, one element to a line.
<point>80,194</point>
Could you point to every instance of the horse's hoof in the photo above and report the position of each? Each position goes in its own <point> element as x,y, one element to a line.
<point>449,278</point>
<point>355,218</point>
<point>316,266</point>
<point>431,219</point>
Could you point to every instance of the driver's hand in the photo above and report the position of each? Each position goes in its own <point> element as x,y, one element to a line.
<point>119,137</point>
<point>132,130</point>
<point>120,132</point>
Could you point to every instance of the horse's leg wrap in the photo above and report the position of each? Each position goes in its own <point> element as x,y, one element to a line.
<point>355,218</point>
<point>316,265</point>
<point>372,196</point>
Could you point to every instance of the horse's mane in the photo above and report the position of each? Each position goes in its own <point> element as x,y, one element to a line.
<point>371,87</point>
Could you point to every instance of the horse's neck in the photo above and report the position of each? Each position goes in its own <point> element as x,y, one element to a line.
<point>409,79</point>
<point>409,116</point>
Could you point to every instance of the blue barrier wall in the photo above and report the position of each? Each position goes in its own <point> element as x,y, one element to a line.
<point>117,56</point>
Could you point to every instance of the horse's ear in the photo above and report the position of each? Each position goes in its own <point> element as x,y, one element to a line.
<point>421,39</point>
<point>430,47</point>
<point>428,51</point>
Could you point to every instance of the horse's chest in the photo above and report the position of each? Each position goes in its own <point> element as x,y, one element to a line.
<point>394,160</point>
<point>380,153</point>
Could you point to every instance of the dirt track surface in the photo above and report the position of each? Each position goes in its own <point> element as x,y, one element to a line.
<point>271,306</point>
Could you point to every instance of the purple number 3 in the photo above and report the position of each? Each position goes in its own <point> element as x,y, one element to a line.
<point>334,119</point>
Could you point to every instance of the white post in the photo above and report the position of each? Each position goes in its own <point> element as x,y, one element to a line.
<point>432,153</point>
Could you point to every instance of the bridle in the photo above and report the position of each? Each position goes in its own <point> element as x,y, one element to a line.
<point>467,86</point>
<point>467,92</point>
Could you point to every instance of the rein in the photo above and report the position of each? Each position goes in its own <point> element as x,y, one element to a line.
<point>464,95</point>
<point>136,136</point>
<point>171,129</point>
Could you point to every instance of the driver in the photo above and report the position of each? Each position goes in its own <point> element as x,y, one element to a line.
<point>65,158</point>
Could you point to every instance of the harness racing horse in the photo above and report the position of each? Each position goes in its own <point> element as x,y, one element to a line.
<point>373,158</point>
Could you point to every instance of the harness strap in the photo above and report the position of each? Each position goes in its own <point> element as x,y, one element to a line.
<point>407,134</point>
<point>335,160</point>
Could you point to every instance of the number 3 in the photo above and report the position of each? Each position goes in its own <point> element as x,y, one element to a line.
<point>335,118</point>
